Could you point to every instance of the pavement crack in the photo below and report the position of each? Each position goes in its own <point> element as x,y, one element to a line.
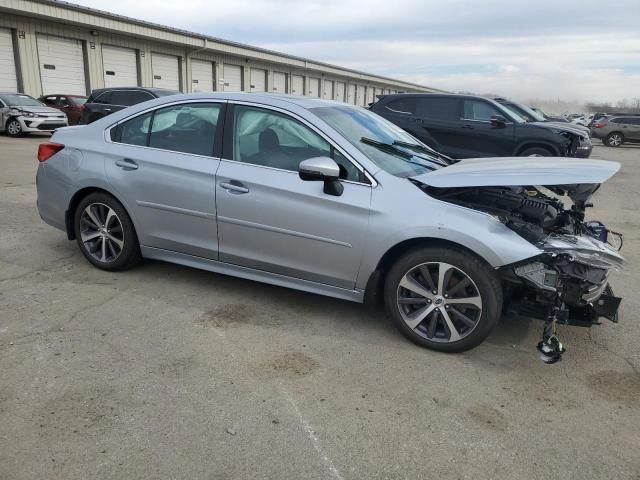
<point>615,354</point>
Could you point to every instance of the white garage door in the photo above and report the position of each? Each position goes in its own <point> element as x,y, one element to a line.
<point>258,80</point>
<point>120,66</point>
<point>360,92</point>
<point>328,89</point>
<point>314,87</point>
<point>297,84</point>
<point>165,70</point>
<point>340,91</point>
<point>231,78</point>
<point>351,94</point>
<point>370,96</point>
<point>201,76</point>
<point>61,65</point>
<point>279,82</point>
<point>8,79</point>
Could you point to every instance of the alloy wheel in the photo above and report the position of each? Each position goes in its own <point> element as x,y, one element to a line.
<point>615,140</point>
<point>439,302</point>
<point>101,232</point>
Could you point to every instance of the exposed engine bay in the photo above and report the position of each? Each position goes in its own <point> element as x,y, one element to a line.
<point>568,282</point>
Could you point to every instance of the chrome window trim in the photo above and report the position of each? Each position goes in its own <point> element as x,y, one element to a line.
<point>107,134</point>
<point>107,131</point>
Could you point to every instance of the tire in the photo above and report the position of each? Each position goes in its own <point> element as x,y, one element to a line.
<point>109,245</point>
<point>443,310</point>
<point>614,139</point>
<point>536,152</point>
<point>13,128</point>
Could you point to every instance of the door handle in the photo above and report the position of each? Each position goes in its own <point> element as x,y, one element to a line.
<point>236,187</point>
<point>417,120</point>
<point>467,126</point>
<point>127,164</point>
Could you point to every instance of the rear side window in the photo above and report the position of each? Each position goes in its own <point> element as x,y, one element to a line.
<point>138,96</point>
<point>402,105</point>
<point>478,110</point>
<point>188,128</point>
<point>136,130</point>
<point>185,128</point>
<point>438,108</point>
<point>104,97</point>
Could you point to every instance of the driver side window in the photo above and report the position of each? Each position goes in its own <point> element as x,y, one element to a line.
<point>271,139</point>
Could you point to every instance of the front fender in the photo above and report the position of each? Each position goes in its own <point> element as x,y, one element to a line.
<point>476,231</point>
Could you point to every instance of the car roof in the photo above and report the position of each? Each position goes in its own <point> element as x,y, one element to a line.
<point>63,95</point>
<point>439,95</point>
<point>268,98</point>
<point>144,89</point>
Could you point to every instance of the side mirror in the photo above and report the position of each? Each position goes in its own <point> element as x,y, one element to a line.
<point>498,121</point>
<point>322,169</point>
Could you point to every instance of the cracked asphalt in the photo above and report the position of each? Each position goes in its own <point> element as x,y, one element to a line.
<point>165,372</point>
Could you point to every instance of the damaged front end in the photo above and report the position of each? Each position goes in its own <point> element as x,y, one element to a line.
<point>568,282</point>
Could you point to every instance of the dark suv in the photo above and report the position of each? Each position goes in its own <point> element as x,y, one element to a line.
<point>467,126</point>
<point>104,101</point>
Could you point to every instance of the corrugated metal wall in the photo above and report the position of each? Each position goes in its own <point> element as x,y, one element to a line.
<point>145,40</point>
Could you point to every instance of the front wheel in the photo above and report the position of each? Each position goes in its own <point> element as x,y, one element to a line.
<point>536,152</point>
<point>105,233</point>
<point>443,298</point>
<point>14,129</point>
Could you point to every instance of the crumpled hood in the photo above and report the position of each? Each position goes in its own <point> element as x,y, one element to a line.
<point>520,171</point>
<point>564,127</point>
<point>40,110</point>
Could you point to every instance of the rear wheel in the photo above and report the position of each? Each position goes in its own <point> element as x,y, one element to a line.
<point>614,139</point>
<point>443,298</point>
<point>105,233</point>
<point>536,152</point>
<point>13,127</point>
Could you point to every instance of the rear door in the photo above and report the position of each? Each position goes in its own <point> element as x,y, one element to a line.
<point>163,164</point>
<point>271,220</point>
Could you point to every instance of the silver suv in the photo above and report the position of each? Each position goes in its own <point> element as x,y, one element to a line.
<point>332,199</point>
<point>616,130</point>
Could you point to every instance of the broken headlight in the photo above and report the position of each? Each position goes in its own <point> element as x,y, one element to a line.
<point>584,249</point>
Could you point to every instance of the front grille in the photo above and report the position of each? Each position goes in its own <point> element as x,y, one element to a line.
<point>50,126</point>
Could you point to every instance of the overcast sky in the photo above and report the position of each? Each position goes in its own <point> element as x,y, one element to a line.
<point>576,50</point>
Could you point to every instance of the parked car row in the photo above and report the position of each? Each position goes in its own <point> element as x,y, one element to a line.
<point>21,113</point>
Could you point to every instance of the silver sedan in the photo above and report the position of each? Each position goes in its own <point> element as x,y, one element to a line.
<point>332,199</point>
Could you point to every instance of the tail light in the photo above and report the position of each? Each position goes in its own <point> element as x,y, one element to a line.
<point>47,150</point>
<point>599,125</point>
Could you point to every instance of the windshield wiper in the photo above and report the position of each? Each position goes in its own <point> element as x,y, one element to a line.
<point>440,159</point>
<point>387,147</point>
<point>395,150</point>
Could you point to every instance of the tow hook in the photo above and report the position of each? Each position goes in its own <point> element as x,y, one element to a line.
<point>550,348</point>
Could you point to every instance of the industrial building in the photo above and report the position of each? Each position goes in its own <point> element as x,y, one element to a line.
<point>49,46</point>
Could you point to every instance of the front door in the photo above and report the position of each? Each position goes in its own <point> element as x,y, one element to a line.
<point>163,165</point>
<point>481,138</point>
<point>271,220</point>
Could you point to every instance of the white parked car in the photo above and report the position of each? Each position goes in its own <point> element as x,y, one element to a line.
<point>20,113</point>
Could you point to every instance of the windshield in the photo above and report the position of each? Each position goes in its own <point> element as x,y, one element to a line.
<point>388,146</point>
<point>20,100</point>
<point>530,114</point>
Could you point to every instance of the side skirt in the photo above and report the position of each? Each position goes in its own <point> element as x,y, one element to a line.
<point>251,274</point>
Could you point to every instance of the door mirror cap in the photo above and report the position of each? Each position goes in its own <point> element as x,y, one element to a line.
<point>498,121</point>
<point>319,169</point>
<point>323,169</point>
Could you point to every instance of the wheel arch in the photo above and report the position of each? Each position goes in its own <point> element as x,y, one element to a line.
<point>375,284</point>
<point>537,144</point>
<point>77,197</point>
